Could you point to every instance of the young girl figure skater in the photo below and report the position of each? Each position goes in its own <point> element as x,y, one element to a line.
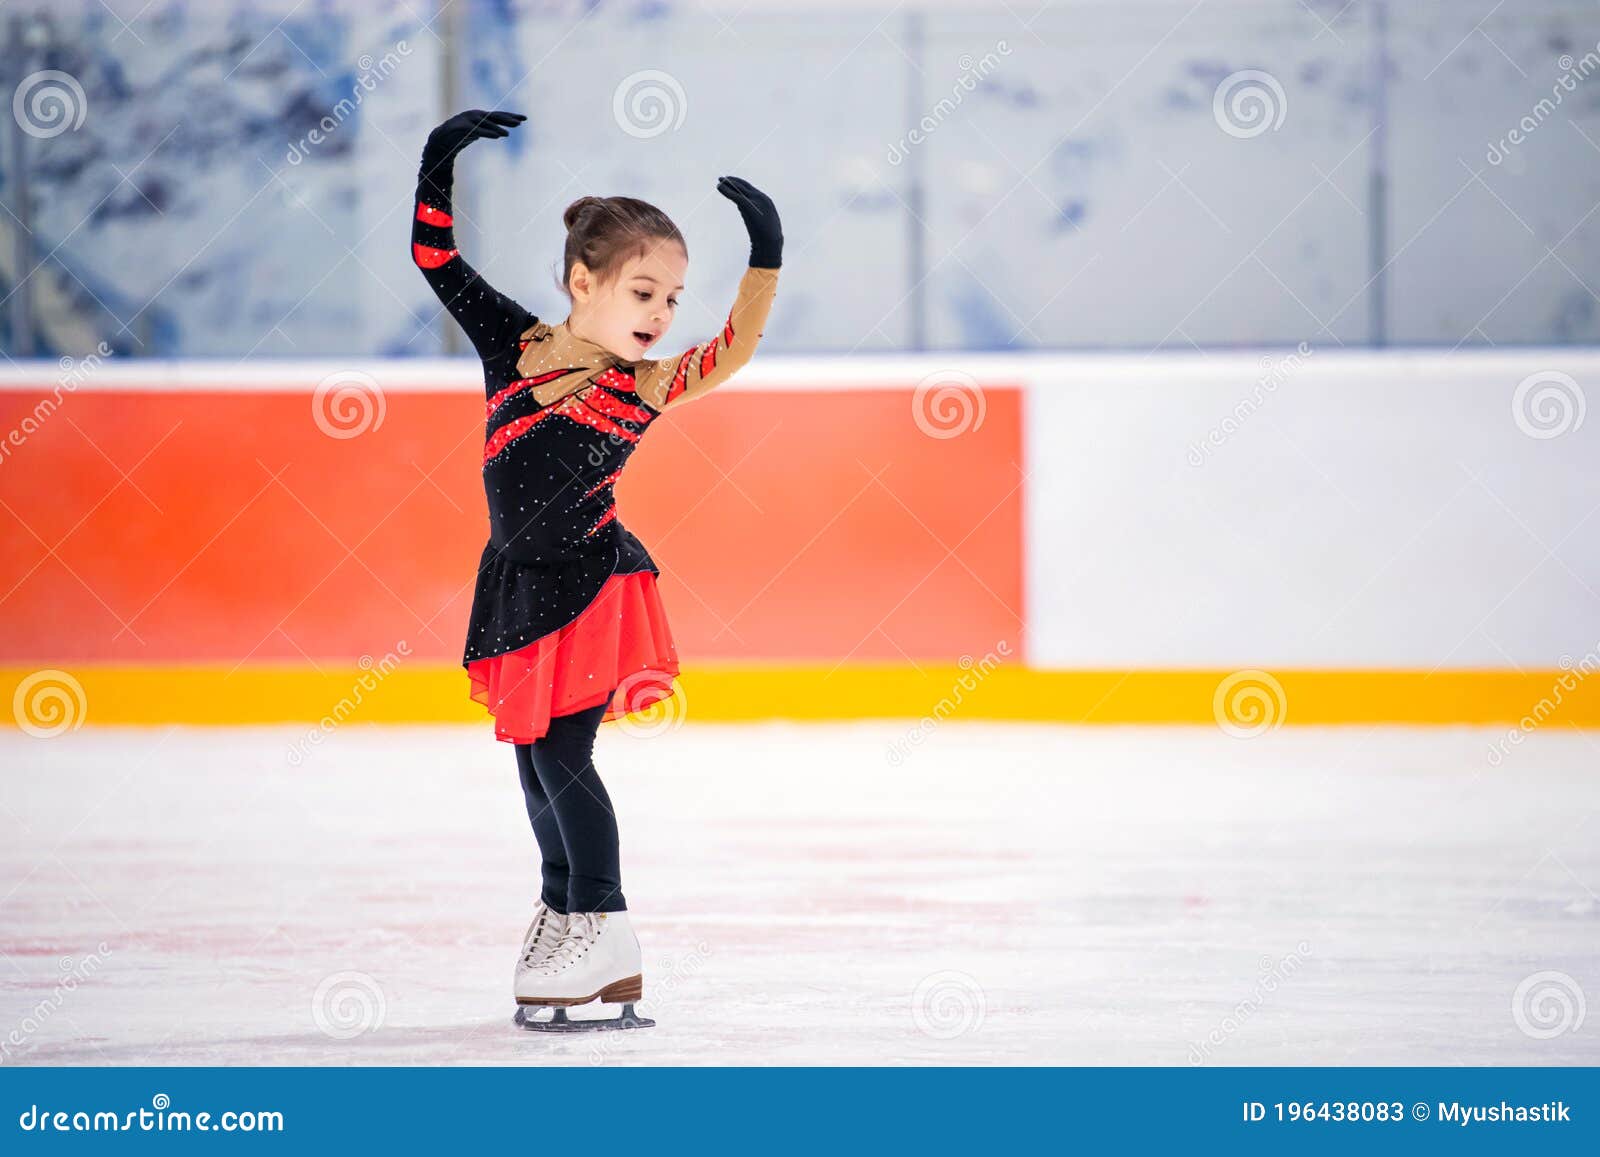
<point>567,629</point>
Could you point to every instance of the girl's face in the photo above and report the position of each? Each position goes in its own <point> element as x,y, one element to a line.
<point>630,311</point>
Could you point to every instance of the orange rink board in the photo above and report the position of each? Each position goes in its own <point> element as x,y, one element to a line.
<point>222,528</point>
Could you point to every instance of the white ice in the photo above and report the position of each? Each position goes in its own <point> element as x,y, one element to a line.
<point>1008,894</point>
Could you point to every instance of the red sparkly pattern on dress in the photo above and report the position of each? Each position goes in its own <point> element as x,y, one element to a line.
<point>681,377</point>
<point>428,215</point>
<point>430,258</point>
<point>614,407</point>
<point>603,483</point>
<point>617,380</point>
<point>521,384</point>
<point>619,652</point>
<point>611,512</point>
<point>572,407</point>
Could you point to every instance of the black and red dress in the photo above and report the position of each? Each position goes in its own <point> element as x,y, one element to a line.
<point>566,614</point>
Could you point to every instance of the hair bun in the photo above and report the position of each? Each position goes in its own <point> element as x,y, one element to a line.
<point>578,208</point>
<point>603,232</point>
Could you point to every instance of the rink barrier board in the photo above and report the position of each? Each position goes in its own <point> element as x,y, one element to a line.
<point>152,424</point>
<point>712,692</point>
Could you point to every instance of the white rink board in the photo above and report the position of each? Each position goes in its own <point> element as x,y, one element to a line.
<point>1112,893</point>
<point>1374,510</point>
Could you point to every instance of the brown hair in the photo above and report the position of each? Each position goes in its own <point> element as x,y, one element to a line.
<point>603,232</point>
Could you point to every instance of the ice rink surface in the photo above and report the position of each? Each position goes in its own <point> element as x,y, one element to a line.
<point>1007,894</point>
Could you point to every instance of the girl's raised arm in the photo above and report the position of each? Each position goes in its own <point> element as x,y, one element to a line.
<point>666,382</point>
<point>489,318</point>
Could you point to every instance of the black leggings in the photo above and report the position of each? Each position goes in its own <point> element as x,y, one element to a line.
<point>572,816</point>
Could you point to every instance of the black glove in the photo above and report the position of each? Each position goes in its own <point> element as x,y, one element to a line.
<point>760,221</point>
<point>462,129</point>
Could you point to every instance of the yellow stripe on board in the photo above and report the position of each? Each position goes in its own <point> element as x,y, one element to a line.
<point>45,699</point>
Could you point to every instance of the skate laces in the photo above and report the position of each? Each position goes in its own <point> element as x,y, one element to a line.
<point>535,935</point>
<point>541,940</point>
<point>582,930</point>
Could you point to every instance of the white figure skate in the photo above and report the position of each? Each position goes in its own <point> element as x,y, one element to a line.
<point>597,958</point>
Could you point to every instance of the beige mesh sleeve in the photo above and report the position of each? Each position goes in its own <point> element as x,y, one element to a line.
<point>664,382</point>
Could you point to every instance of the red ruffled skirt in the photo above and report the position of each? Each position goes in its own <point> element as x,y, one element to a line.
<point>619,651</point>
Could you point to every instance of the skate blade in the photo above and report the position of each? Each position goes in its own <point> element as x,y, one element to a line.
<point>559,1021</point>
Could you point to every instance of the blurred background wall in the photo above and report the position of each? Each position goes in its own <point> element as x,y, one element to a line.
<point>968,176</point>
